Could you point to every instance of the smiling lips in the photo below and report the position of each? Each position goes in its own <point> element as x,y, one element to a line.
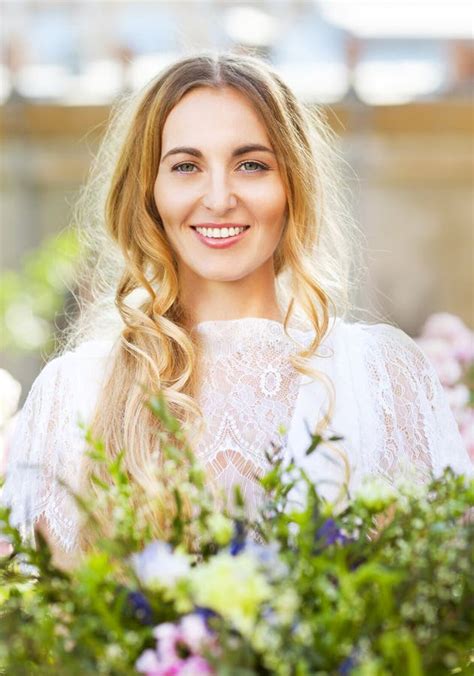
<point>220,235</point>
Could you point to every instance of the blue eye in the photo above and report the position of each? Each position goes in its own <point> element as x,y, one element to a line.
<point>185,168</point>
<point>255,166</point>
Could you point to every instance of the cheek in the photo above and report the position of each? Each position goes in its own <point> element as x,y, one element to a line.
<point>170,201</point>
<point>271,205</point>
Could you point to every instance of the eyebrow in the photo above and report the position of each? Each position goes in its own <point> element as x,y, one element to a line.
<point>241,150</point>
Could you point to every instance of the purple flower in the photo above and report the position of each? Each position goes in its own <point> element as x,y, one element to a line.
<point>205,613</point>
<point>346,666</point>
<point>330,532</point>
<point>140,607</point>
<point>238,541</point>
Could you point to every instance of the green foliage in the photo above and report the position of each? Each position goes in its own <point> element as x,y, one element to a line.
<point>31,298</point>
<point>327,591</point>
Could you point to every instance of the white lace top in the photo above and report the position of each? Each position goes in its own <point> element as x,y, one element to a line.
<point>389,407</point>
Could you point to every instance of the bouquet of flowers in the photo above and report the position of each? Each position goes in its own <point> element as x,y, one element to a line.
<point>380,585</point>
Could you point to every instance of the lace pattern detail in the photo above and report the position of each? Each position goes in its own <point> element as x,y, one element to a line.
<point>45,458</point>
<point>247,394</point>
<point>415,429</point>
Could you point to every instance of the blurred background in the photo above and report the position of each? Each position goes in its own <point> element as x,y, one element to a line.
<point>395,78</point>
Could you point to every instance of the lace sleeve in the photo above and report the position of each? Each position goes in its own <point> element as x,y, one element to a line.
<point>415,430</point>
<point>47,448</point>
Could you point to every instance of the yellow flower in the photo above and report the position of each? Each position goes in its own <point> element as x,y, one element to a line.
<point>232,586</point>
<point>286,604</point>
<point>221,528</point>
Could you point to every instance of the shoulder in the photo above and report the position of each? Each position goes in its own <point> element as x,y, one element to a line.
<point>382,353</point>
<point>89,357</point>
<point>381,338</point>
<point>377,331</point>
<point>361,341</point>
<point>391,360</point>
<point>71,381</point>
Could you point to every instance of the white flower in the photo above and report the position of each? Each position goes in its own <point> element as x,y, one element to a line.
<point>268,557</point>
<point>148,663</point>
<point>10,391</point>
<point>159,566</point>
<point>195,631</point>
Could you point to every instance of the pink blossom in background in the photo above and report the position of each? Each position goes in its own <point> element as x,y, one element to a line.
<point>443,358</point>
<point>178,648</point>
<point>452,330</point>
<point>449,344</point>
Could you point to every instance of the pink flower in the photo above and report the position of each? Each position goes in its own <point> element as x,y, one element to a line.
<point>448,327</point>
<point>178,648</point>
<point>194,631</point>
<point>196,665</point>
<point>443,358</point>
<point>443,325</point>
<point>148,664</point>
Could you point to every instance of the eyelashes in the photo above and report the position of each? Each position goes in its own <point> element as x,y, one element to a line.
<point>261,167</point>
<point>179,168</point>
<point>183,167</point>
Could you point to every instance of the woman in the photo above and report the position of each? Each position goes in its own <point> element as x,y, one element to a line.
<point>231,287</point>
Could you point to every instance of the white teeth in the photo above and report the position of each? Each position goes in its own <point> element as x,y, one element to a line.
<point>219,233</point>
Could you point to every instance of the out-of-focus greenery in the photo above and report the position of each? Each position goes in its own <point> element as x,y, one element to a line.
<point>32,297</point>
<point>382,586</point>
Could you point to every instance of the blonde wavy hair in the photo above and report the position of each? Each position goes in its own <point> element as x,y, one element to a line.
<point>130,264</point>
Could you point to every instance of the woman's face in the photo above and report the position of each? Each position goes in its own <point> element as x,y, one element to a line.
<point>218,190</point>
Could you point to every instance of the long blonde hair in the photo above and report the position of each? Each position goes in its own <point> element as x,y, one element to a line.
<point>132,259</point>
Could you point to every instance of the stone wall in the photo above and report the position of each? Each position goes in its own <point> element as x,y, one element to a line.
<point>411,191</point>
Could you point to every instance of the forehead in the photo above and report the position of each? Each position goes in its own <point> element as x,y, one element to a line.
<point>206,115</point>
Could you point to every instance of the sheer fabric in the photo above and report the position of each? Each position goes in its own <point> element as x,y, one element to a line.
<point>247,394</point>
<point>389,407</point>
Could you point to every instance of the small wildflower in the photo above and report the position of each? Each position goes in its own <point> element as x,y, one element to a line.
<point>221,528</point>
<point>231,586</point>
<point>159,566</point>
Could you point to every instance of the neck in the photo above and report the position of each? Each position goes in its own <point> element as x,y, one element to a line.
<point>251,296</point>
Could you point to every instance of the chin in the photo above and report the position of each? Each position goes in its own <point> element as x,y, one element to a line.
<point>224,275</point>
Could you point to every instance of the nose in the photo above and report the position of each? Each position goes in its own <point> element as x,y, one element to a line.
<point>218,196</point>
